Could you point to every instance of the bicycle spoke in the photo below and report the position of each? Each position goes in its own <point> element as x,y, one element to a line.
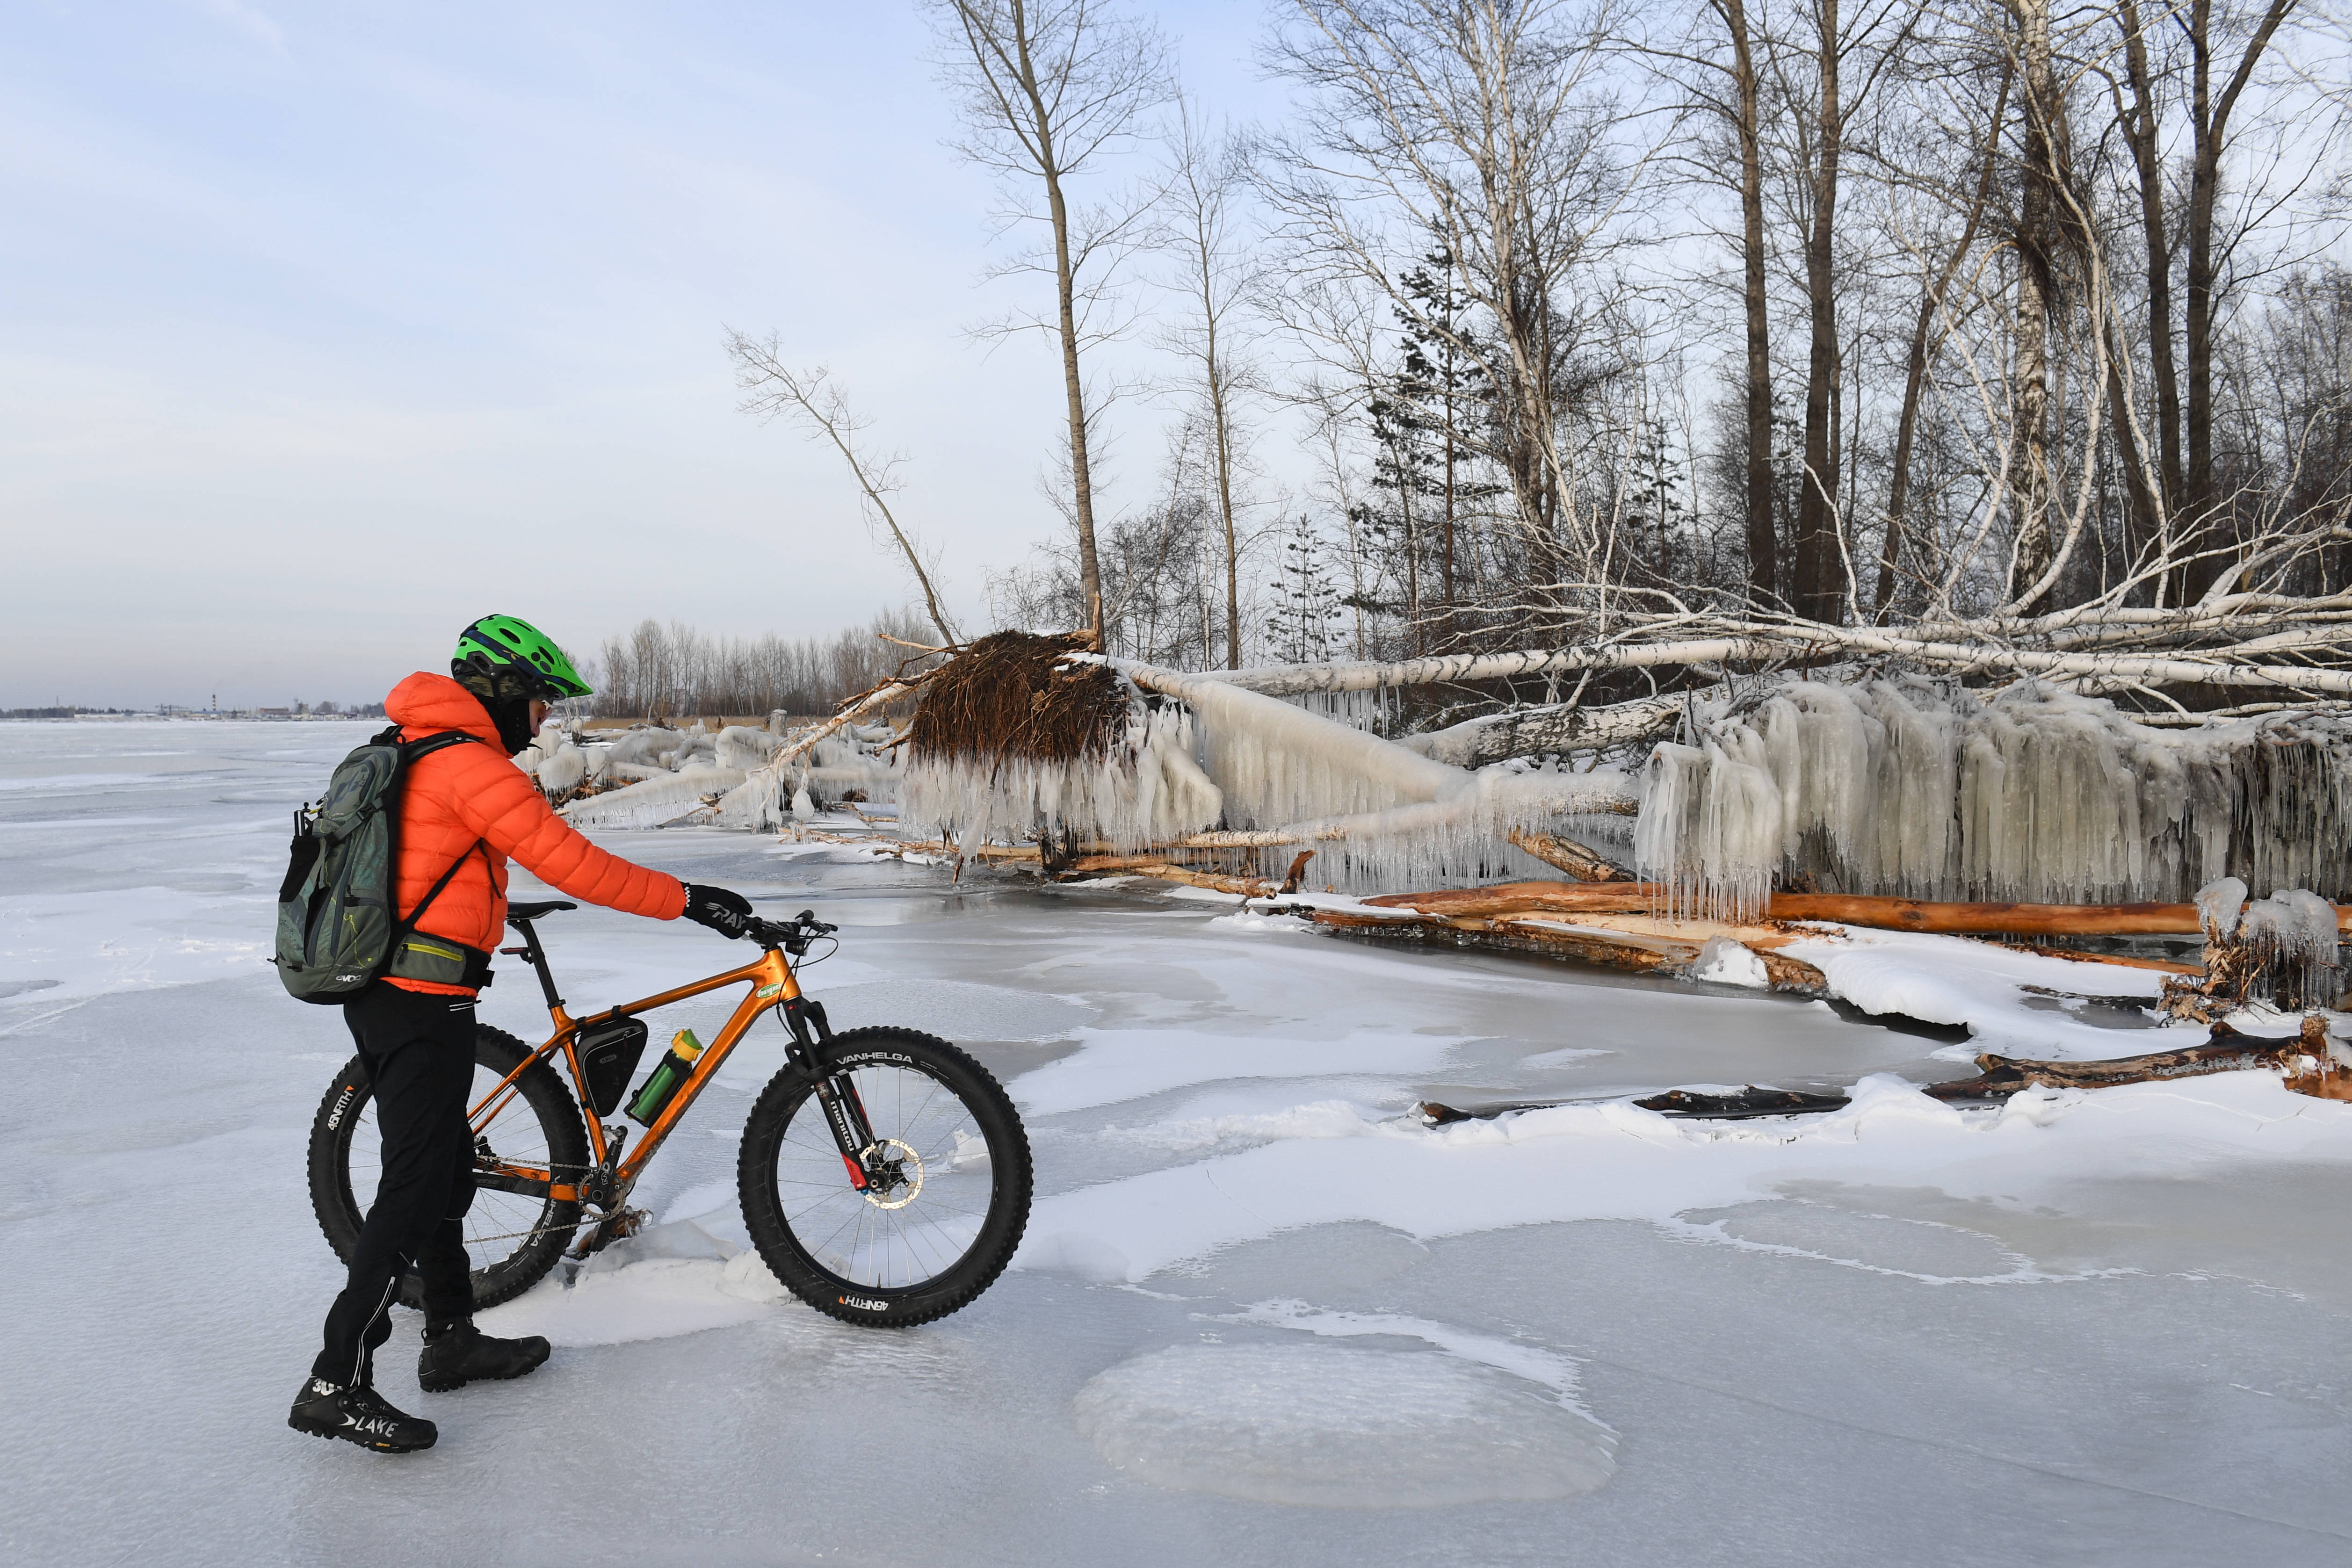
<point>923,1226</point>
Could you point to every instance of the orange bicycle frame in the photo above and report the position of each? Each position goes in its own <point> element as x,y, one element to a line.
<point>772,985</point>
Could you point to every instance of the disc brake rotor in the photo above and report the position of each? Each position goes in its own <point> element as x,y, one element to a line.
<point>909,1168</point>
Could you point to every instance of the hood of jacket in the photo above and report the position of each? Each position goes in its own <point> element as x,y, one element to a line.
<point>426,703</point>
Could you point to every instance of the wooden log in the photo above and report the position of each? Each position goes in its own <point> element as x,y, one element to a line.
<point>1135,865</point>
<point>1579,862</point>
<point>1505,897</point>
<point>1785,973</point>
<point>1849,909</point>
<point>2225,1051</point>
<point>2120,960</point>
<point>2002,919</point>
<point>1483,933</point>
<point>1640,944</point>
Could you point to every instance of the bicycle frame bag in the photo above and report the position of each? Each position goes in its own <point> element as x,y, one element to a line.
<point>608,1057</point>
<point>338,924</point>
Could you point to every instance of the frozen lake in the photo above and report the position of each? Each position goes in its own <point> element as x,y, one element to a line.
<point>1263,1316</point>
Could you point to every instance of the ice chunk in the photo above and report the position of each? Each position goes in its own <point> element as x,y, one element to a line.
<point>740,746</point>
<point>1729,963</point>
<point>562,772</point>
<point>1338,1426</point>
<point>2220,905</point>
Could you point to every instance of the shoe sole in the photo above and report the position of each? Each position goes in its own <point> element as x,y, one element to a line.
<point>331,1433</point>
<point>451,1385</point>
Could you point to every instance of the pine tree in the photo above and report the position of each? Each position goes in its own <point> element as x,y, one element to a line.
<point>1307,606</point>
<point>1423,417</point>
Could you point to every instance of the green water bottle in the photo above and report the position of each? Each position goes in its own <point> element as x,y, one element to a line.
<point>670,1071</point>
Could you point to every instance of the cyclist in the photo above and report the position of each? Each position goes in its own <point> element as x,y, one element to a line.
<point>415,1028</point>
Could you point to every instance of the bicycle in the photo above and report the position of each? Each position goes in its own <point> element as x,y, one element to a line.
<point>866,1211</point>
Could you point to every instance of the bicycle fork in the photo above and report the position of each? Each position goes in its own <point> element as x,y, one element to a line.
<point>844,1111</point>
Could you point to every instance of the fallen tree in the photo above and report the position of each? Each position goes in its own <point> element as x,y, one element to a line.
<point>2306,1062</point>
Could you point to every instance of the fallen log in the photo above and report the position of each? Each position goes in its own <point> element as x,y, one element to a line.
<point>2309,1068</point>
<point>1847,909</point>
<point>1639,944</point>
<point>1558,728</point>
<point>1092,866</point>
<point>1580,862</point>
<point>1749,1102</point>
<point>2002,919</point>
<point>2225,1051</point>
<point>1512,897</point>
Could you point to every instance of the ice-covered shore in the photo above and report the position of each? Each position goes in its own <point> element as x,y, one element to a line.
<point>1262,1316</point>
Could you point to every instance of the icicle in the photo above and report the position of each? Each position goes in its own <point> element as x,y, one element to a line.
<point>1907,787</point>
<point>2292,934</point>
<point>1147,789</point>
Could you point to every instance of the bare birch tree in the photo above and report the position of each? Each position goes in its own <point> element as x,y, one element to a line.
<point>1048,90</point>
<point>1212,274</point>
<point>773,389</point>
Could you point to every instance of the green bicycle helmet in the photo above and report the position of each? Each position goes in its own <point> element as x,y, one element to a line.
<point>504,645</point>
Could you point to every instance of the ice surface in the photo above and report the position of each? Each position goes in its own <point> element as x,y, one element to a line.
<point>1337,1427</point>
<point>2097,1327</point>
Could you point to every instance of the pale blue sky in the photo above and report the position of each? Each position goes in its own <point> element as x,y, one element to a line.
<point>324,329</point>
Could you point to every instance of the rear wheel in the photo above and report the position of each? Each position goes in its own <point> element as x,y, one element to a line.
<point>950,1203</point>
<point>513,1238</point>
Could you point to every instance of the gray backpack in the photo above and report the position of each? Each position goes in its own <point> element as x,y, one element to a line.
<point>338,929</point>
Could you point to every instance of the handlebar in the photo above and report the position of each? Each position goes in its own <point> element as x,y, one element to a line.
<point>792,935</point>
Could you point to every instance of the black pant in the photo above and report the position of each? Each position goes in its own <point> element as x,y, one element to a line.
<point>419,1053</point>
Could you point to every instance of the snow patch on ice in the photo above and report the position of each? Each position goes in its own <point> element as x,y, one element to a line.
<point>670,1279</point>
<point>1127,1064</point>
<point>1257,920</point>
<point>1545,1367</point>
<point>1616,1161</point>
<point>1565,1056</point>
<point>1338,1426</point>
<point>1954,980</point>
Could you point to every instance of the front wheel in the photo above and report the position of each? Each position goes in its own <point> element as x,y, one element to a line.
<point>944,1217</point>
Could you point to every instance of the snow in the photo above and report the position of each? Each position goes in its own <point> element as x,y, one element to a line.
<point>1264,1313</point>
<point>1724,962</point>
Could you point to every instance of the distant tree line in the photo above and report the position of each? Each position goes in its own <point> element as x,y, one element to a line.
<point>678,672</point>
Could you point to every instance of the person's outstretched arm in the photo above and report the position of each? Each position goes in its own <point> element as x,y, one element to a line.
<point>500,805</point>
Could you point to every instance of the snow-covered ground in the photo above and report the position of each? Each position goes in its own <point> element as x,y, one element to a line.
<point>1263,1316</point>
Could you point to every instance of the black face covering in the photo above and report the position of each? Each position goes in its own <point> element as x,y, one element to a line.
<point>507,696</point>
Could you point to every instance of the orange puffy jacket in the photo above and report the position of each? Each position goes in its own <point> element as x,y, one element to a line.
<point>463,793</point>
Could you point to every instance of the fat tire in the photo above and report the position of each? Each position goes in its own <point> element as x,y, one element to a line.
<point>1000,1234</point>
<point>560,1118</point>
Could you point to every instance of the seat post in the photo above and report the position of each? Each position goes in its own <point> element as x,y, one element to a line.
<point>537,959</point>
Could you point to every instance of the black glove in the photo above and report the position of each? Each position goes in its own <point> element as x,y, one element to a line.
<point>724,910</point>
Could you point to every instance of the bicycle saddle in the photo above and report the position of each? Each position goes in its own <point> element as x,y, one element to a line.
<point>533,911</point>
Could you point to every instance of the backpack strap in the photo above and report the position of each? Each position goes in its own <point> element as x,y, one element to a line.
<point>477,961</point>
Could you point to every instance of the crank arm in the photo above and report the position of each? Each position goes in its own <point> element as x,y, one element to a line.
<point>524,1183</point>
